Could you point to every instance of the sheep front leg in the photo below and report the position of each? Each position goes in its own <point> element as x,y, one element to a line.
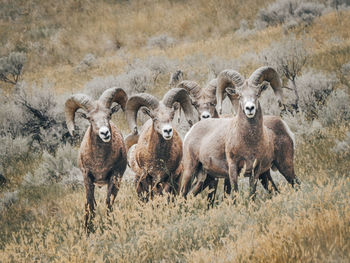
<point>252,187</point>
<point>233,176</point>
<point>90,202</point>
<point>113,188</point>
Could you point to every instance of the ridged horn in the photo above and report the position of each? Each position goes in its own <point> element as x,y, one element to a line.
<point>270,75</point>
<point>114,94</point>
<point>181,96</point>
<point>72,105</point>
<point>227,78</point>
<point>212,86</point>
<point>192,87</point>
<point>134,104</point>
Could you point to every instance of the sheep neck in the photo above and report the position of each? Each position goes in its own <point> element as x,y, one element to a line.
<point>100,149</point>
<point>161,148</point>
<point>250,129</point>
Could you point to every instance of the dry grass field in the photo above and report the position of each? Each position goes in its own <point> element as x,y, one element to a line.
<point>87,46</point>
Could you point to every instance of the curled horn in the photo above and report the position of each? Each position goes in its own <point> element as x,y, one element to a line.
<point>134,104</point>
<point>181,96</point>
<point>227,78</point>
<point>192,88</point>
<point>270,75</point>
<point>115,94</point>
<point>211,87</point>
<point>72,105</point>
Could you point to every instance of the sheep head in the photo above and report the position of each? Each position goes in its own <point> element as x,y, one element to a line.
<point>98,112</point>
<point>162,113</point>
<point>204,100</point>
<point>250,91</point>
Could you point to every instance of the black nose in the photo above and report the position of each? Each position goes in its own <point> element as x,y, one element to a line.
<point>205,116</point>
<point>105,133</point>
<point>168,131</point>
<point>251,108</point>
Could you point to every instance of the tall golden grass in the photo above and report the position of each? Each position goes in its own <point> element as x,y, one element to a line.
<point>307,225</point>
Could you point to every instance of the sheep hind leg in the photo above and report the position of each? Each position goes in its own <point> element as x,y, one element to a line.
<point>213,186</point>
<point>288,172</point>
<point>265,178</point>
<point>189,171</point>
<point>90,203</point>
<point>112,191</point>
<point>227,186</point>
<point>202,182</point>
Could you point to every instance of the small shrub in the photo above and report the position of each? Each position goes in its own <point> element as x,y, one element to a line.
<point>288,57</point>
<point>13,150</point>
<point>339,4</point>
<point>244,30</point>
<point>134,81</point>
<point>176,78</point>
<point>97,85</point>
<point>216,65</point>
<point>87,62</point>
<point>313,90</point>
<point>342,147</point>
<point>11,117</point>
<point>308,11</point>
<point>346,69</point>
<point>301,126</point>
<point>161,41</point>
<point>158,65</point>
<point>289,11</point>
<point>58,168</point>
<point>138,77</point>
<point>11,67</point>
<point>38,114</point>
<point>8,199</point>
<point>138,80</point>
<point>337,109</point>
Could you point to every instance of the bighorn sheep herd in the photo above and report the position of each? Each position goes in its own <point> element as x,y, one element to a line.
<point>247,143</point>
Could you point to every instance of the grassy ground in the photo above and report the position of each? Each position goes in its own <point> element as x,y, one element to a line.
<point>45,223</point>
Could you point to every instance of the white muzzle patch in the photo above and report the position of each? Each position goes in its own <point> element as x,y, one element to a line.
<point>249,109</point>
<point>167,132</point>
<point>205,115</point>
<point>104,134</point>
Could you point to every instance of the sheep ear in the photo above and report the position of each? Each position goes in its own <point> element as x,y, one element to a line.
<point>231,91</point>
<point>115,108</point>
<point>263,86</point>
<point>82,114</point>
<point>176,106</point>
<point>147,112</point>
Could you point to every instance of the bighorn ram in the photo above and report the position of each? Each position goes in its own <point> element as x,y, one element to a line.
<point>156,158</point>
<point>102,155</point>
<point>203,99</point>
<point>249,143</point>
<point>175,78</point>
